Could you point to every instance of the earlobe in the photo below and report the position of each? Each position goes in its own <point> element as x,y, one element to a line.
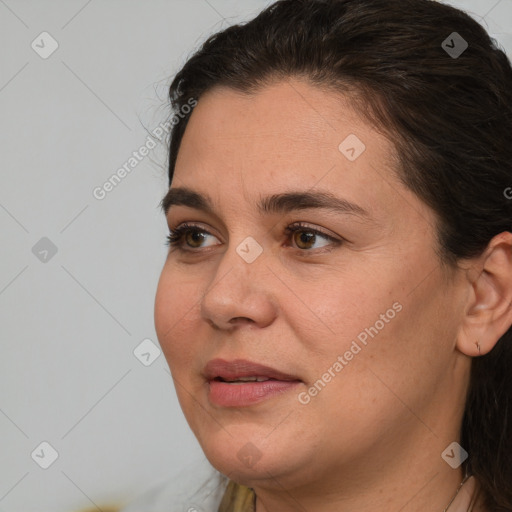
<point>488,312</point>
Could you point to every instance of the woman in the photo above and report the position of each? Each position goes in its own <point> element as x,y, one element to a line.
<point>340,208</point>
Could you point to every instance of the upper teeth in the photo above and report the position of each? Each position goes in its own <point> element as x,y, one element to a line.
<point>251,379</point>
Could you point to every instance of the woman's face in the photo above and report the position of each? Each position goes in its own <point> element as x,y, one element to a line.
<point>365,322</point>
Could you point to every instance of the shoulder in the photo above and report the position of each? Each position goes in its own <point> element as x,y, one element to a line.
<point>196,488</point>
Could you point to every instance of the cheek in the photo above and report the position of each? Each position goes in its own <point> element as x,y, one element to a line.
<point>335,308</point>
<point>368,320</point>
<point>175,303</point>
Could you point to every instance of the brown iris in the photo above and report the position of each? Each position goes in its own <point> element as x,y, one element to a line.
<point>304,237</point>
<point>194,236</point>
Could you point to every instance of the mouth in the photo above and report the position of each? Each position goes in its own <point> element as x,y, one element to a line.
<point>242,380</point>
<point>242,370</point>
<point>242,383</point>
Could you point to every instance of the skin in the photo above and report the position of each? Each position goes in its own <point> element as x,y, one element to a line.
<point>372,438</point>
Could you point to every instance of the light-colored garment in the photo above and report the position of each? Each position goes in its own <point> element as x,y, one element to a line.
<point>467,497</point>
<point>197,488</point>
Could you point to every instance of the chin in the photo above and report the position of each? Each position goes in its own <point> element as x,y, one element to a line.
<point>250,456</point>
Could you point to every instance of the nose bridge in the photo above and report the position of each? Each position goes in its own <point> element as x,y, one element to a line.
<point>237,289</point>
<point>241,261</point>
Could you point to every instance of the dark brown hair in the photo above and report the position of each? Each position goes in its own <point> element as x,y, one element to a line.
<point>449,117</point>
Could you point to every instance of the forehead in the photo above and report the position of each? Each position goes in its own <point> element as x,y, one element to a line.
<point>287,135</point>
<point>288,115</point>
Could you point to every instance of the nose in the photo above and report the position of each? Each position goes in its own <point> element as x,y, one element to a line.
<point>240,293</point>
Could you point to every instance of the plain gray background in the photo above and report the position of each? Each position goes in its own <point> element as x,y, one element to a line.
<point>71,321</point>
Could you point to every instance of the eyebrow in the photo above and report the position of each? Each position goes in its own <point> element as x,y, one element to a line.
<point>276,203</point>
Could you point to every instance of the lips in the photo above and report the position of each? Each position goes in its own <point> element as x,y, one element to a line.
<point>227,385</point>
<point>231,371</point>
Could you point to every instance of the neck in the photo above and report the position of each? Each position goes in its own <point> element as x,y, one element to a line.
<point>432,493</point>
<point>415,478</point>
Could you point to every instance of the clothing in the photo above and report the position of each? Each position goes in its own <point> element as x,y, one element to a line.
<point>197,488</point>
<point>466,497</point>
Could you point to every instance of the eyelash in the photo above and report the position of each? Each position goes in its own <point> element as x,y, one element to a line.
<point>175,238</point>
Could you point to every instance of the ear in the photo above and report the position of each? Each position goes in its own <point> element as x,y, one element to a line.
<point>488,312</point>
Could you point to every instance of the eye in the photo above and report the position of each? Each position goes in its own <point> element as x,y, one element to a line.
<point>308,236</point>
<point>189,233</point>
<point>302,235</point>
